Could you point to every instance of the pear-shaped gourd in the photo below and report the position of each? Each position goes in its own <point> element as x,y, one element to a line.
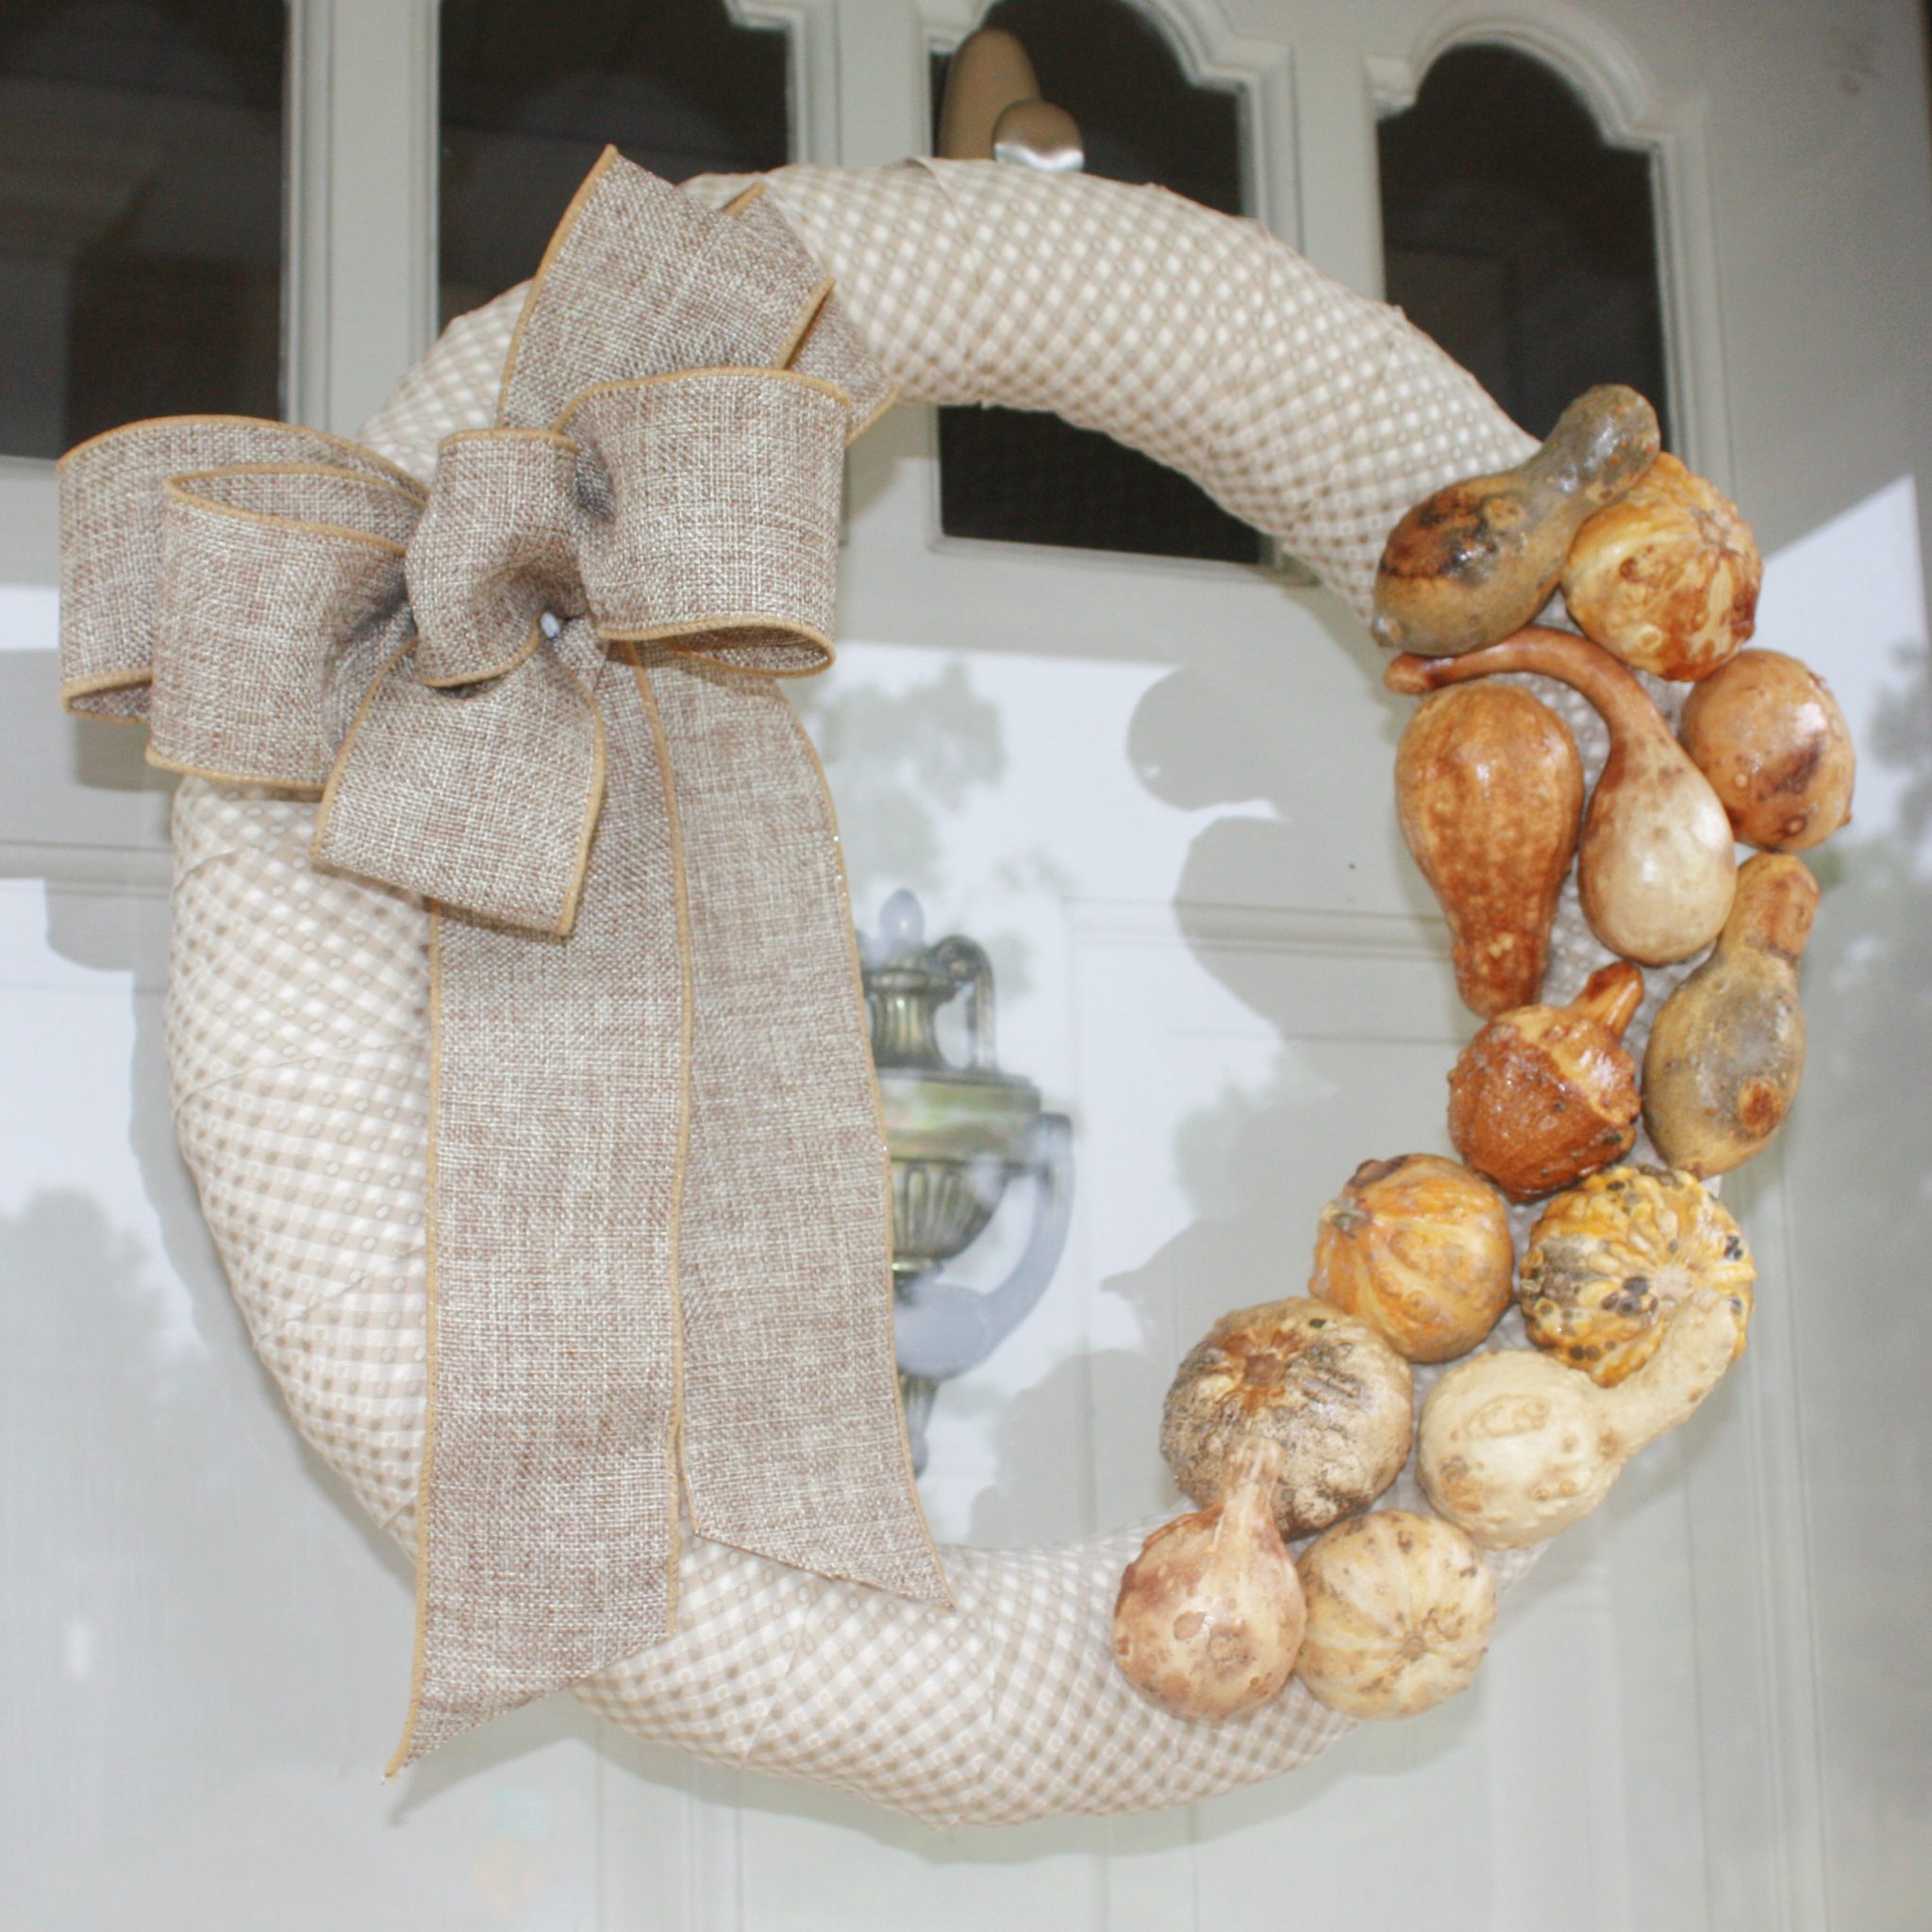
<point>1210,1616</point>
<point>1727,1050</point>
<point>1516,1447</point>
<point>1654,867</point>
<point>1491,794</point>
<point>1480,557</point>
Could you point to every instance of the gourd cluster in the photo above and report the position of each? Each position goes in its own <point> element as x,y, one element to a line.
<point>1291,1420</point>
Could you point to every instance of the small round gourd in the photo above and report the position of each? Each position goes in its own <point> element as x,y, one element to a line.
<point>1542,1095</point>
<point>1327,1386</point>
<point>1400,1607</point>
<point>1608,1262</point>
<point>1667,576</point>
<point>1420,1249</point>
<point>1769,735</point>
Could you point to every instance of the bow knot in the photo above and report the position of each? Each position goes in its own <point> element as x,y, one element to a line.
<point>293,610</point>
<point>392,635</point>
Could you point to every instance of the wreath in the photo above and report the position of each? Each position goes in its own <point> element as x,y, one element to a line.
<point>496,836</point>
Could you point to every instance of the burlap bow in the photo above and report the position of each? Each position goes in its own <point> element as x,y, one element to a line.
<point>659,1219</point>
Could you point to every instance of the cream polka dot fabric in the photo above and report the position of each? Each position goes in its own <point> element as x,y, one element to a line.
<point>298,1025</point>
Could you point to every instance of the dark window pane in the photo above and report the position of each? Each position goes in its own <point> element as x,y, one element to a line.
<point>1519,239</point>
<point>533,92</point>
<point>140,214</point>
<point>1030,478</point>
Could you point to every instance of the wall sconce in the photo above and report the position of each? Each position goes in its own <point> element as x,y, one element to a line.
<point>958,1137</point>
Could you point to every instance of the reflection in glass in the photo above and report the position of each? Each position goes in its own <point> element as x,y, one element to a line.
<point>1030,478</point>
<point>140,214</point>
<point>1520,239</point>
<point>532,93</point>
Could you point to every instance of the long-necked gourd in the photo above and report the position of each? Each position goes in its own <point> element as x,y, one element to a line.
<point>1654,866</point>
<point>1479,558</point>
<point>1727,1049</point>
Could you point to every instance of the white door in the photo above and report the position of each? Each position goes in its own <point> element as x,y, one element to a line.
<point>1158,791</point>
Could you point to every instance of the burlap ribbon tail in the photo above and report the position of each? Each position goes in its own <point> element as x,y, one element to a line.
<point>540,695</point>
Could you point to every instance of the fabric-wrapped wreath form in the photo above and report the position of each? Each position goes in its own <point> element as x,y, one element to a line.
<point>331,1044</point>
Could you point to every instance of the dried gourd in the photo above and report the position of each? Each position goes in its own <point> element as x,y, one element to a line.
<point>1769,735</point>
<point>1543,1095</point>
<point>1727,1050</point>
<point>1490,790</point>
<point>1210,1616</point>
<point>1667,576</point>
<point>1608,1262</point>
<point>1516,1447</point>
<point>1420,1249</point>
<point>1481,557</point>
<point>1400,1607</point>
<point>1655,868</point>
<point>1324,1384</point>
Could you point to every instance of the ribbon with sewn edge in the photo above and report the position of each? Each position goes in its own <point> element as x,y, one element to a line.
<point>539,692</point>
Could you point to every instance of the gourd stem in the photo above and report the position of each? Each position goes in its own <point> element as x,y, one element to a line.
<point>1612,994</point>
<point>1624,705</point>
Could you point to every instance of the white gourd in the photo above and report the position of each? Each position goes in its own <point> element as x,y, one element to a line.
<point>1210,1614</point>
<point>1515,1446</point>
<point>1400,1607</point>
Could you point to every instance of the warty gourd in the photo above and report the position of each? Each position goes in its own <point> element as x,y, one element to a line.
<point>1516,1447</point>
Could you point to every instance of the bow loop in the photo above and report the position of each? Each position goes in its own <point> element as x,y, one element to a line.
<point>641,280</point>
<point>280,589</point>
<point>114,504</point>
<point>720,524</point>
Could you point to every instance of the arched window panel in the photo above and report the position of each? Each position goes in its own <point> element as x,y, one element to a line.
<point>1022,477</point>
<point>532,92</point>
<point>140,214</point>
<point>1519,237</point>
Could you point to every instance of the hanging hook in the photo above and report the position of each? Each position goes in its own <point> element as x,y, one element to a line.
<point>992,110</point>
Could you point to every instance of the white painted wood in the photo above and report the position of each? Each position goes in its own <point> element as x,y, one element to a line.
<point>1158,791</point>
<point>363,204</point>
